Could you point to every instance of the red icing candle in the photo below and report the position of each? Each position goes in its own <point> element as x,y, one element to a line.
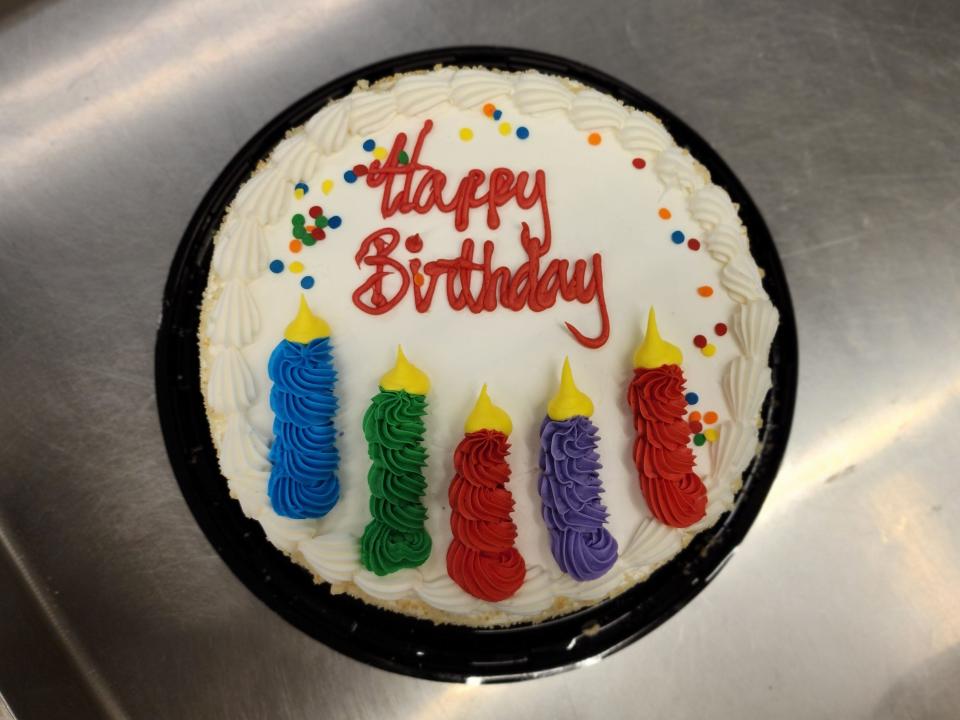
<point>482,558</point>
<point>674,493</point>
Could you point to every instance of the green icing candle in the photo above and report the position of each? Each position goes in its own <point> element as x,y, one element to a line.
<point>393,426</point>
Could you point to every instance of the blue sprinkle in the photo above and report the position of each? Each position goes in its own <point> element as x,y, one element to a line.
<point>497,114</point>
<point>677,237</point>
<point>350,176</point>
<point>369,145</point>
<point>334,222</point>
<point>306,282</point>
<point>523,133</point>
<point>692,398</point>
<point>276,266</point>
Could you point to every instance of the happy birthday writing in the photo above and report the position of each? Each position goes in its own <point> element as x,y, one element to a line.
<point>419,188</point>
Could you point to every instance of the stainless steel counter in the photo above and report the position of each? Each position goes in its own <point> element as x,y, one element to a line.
<point>841,119</point>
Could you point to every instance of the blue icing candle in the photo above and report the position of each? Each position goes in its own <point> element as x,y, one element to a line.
<point>303,478</point>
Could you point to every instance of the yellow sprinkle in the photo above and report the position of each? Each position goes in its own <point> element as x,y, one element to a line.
<point>487,416</point>
<point>710,434</point>
<point>298,193</point>
<point>380,153</point>
<point>709,350</point>
<point>504,128</point>
<point>296,266</point>
<point>306,326</point>
<point>466,134</point>
<point>326,187</point>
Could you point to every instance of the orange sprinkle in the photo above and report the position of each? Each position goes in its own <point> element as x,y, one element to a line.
<point>296,246</point>
<point>664,214</point>
<point>309,228</point>
<point>418,279</point>
<point>710,417</point>
<point>704,291</point>
<point>488,109</point>
<point>594,138</point>
<point>695,416</point>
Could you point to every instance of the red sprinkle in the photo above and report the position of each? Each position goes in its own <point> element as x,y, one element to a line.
<point>700,341</point>
<point>359,170</point>
<point>639,163</point>
<point>693,244</point>
<point>695,427</point>
<point>315,211</point>
<point>318,234</point>
<point>720,329</point>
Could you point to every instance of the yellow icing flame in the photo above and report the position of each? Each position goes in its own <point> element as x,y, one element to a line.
<point>654,351</point>
<point>487,416</point>
<point>306,326</point>
<point>569,400</point>
<point>405,376</point>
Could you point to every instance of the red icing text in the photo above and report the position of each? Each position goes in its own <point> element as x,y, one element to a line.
<point>471,279</point>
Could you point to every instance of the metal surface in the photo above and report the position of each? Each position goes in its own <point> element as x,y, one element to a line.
<point>839,118</point>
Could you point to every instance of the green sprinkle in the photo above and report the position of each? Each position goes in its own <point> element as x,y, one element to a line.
<point>699,439</point>
<point>402,157</point>
<point>298,220</point>
<point>321,221</point>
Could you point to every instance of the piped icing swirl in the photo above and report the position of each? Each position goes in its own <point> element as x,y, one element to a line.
<point>393,425</point>
<point>570,491</point>
<point>673,491</point>
<point>482,558</point>
<point>303,480</point>
<point>395,538</point>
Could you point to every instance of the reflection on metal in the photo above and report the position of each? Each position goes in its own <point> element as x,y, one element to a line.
<point>865,436</point>
<point>842,600</point>
<point>126,102</point>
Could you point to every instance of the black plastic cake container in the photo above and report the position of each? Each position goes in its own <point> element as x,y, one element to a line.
<point>397,642</point>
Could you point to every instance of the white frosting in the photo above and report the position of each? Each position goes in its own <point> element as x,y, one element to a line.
<point>754,325</point>
<point>677,169</point>
<point>537,94</point>
<point>240,252</point>
<point>726,242</point>
<point>327,130</point>
<point>592,110</point>
<point>745,385</point>
<point>598,203</point>
<point>235,320</point>
<point>418,93</point>
<point>264,196</point>
<point>644,134</point>
<point>231,387</point>
<point>370,111</point>
<point>297,157</point>
<point>471,88</point>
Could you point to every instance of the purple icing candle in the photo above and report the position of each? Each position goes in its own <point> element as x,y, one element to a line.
<point>570,490</point>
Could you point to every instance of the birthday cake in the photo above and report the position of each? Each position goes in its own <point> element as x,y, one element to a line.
<point>483,347</point>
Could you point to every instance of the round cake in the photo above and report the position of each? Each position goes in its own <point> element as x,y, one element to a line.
<point>483,347</point>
